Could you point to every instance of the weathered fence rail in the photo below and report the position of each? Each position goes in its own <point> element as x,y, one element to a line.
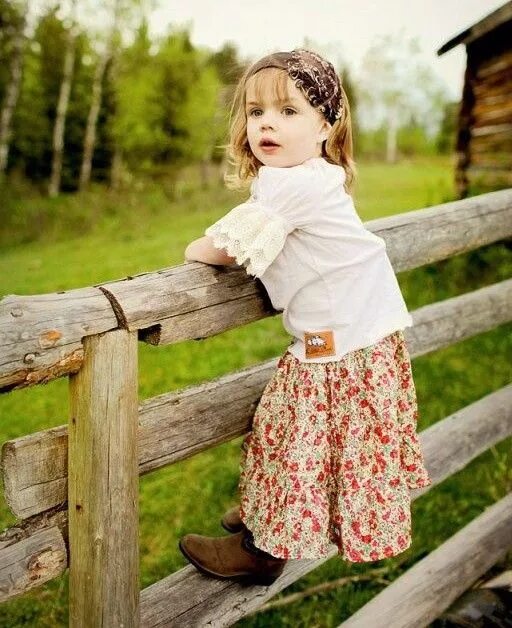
<point>74,488</point>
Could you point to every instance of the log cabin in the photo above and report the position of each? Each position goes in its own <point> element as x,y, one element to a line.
<point>484,128</point>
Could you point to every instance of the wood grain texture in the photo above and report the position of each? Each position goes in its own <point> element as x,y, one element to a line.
<point>31,562</point>
<point>103,484</point>
<point>174,426</point>
<point>41,336</point>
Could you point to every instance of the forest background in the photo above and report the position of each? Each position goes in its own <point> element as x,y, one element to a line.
<point>119,108</point>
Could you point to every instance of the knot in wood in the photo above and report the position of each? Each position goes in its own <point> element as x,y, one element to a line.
<point>49,338</point>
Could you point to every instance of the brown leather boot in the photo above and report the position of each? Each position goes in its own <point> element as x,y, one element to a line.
<point>231,557</point>
<point>231,520</point>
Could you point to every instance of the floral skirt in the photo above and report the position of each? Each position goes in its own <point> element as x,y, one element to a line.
<point>332,456</point>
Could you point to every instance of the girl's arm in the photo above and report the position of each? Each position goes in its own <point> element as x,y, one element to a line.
<point>202,250</point>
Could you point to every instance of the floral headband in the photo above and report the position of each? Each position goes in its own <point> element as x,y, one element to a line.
<point>312,74</point>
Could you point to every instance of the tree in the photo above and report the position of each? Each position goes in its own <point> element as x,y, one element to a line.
<point>113,38</point>
<point>395,84</point>
<point>62,105</point>
<point>18,16</point>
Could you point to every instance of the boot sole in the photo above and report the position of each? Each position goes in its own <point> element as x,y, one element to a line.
<point>261,579</point>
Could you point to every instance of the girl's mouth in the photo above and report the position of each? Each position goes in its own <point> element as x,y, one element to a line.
<point>268,146</point>
<point>267,141</point>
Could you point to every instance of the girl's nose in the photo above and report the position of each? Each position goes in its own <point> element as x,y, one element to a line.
<point>266,124</point>
<point>267,120</point>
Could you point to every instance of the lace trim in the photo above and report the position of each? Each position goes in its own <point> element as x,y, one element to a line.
<point>252,234</point>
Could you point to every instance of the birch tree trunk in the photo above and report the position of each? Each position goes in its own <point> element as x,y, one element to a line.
<point>92,119</point>
<point>11,93</point>
<point>116,168</point>
<point>97,90</point>
<point>62,108</point>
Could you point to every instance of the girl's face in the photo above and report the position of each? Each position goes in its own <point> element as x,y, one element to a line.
<point>293,128</point>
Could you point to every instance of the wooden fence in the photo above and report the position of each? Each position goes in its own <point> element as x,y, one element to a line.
<point>74,488</point>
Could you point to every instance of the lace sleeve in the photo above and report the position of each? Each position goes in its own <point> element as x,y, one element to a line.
<point>252,235</point>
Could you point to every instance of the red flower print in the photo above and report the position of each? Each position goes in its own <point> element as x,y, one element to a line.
<point>318,438</point>
<point>403,405</point>
<point>356,527</point>
<point>282,550</point>
<point>278,528</point>
<point>367,408</point>
<point>352,391</point>
<point>380,499</point>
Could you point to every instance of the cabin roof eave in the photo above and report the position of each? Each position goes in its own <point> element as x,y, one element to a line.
<point>488,23</point>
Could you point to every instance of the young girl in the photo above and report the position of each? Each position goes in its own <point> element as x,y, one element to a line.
<point>333,451</point>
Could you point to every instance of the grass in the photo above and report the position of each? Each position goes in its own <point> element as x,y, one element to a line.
<point>148,229</point>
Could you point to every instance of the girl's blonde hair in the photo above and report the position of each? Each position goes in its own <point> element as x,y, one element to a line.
<point>337,149</point>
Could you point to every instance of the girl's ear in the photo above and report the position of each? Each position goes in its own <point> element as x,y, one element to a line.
<point>325,129</point>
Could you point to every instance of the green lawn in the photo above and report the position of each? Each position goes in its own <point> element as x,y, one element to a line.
<point>145,230</point>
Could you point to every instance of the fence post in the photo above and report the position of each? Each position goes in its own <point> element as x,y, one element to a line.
<point>103,484</point>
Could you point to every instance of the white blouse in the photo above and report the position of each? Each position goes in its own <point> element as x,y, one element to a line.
<point>300,234</point>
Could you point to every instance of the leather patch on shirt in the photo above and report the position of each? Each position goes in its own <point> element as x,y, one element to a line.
<point>319,344</point>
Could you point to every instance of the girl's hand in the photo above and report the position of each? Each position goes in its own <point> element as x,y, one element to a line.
<point>202,250</point>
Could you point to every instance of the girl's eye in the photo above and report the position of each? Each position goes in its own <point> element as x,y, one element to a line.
<point>290,109</point>
<point>253,111</point>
